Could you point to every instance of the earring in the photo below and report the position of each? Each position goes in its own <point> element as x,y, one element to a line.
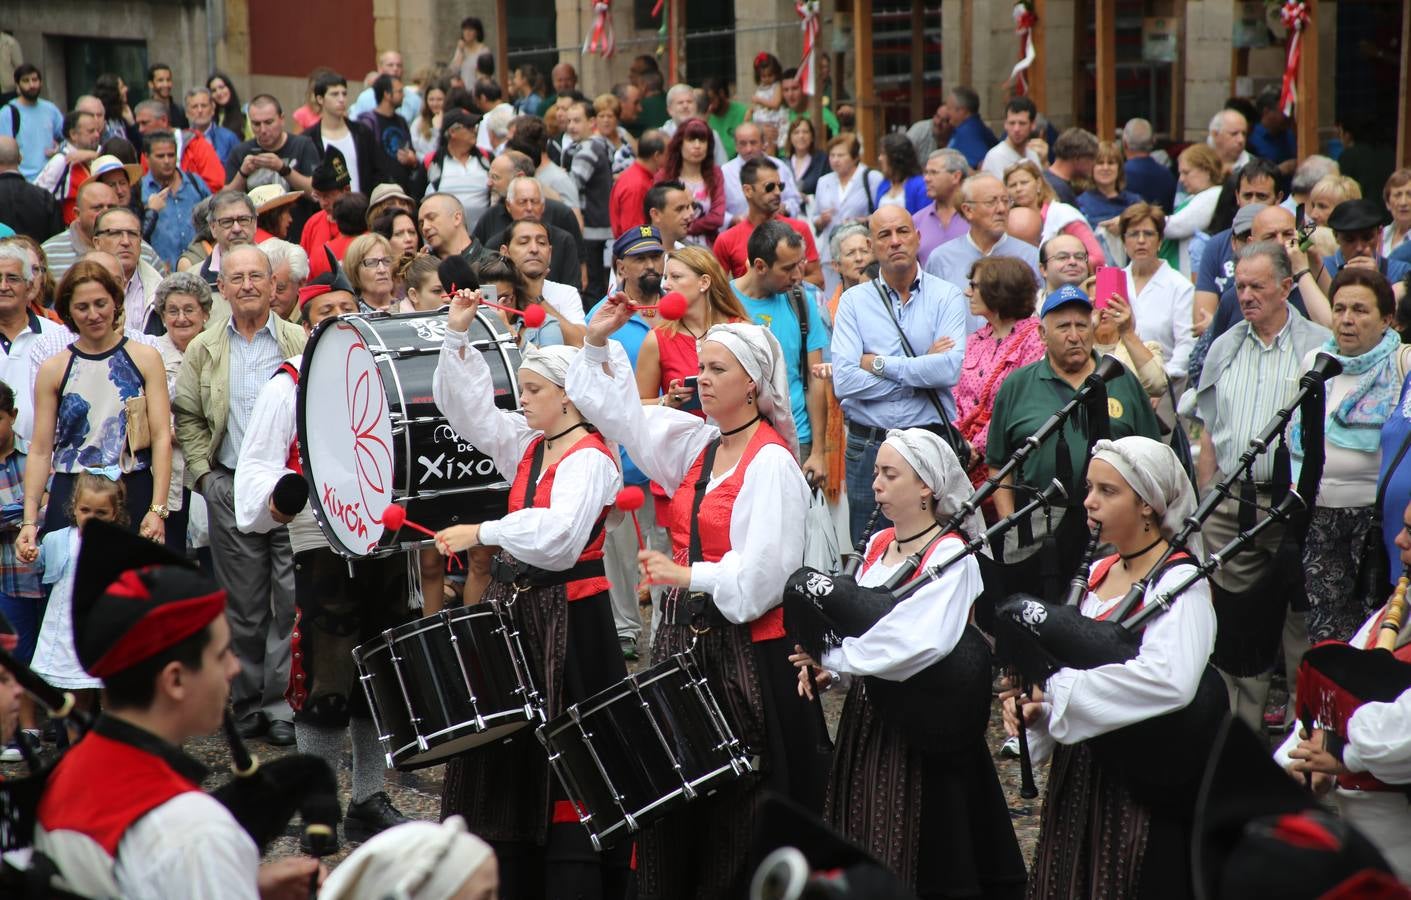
<point>923,503</point>
<point>749,398</point>
<point>1146,526</point>
<point>565,409</point>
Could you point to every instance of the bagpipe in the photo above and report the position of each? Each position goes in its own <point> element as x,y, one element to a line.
<point>262,796</point>
<point>948,699</point>
<point>1335,679</point>
<point>1038,638</point>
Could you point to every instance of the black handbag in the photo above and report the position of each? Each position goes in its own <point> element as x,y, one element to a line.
<point>945,429</point>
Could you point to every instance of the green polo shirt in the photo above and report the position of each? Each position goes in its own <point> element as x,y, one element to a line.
<point>830,122</point>
<point>653,111</point>
<point>725,125</point>
<point>1034,392</point>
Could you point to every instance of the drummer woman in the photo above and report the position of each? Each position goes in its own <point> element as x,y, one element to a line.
<point>738,501</point>
<point>564,480</point>
<point>937,819</point>
<point>1095,838</point>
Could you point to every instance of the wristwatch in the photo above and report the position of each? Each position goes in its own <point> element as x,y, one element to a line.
<point>285,169</point>
<point>160,509</point>
<point>878,365</point>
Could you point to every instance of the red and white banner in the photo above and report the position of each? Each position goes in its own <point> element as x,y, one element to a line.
<point>1024,22</point>
<point>600,39</point>
<point>808,67</point>
<point>1295,16</point>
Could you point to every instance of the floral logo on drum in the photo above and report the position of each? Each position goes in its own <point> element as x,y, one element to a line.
<point>368,419</point>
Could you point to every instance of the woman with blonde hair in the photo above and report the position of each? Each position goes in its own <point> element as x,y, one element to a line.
<point>1028,187</point>
<point>371,266</point>
<point>1201,173</point>
<point>668,354</point>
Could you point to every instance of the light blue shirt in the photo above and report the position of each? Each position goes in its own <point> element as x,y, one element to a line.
<point>777,314</point>
<point>41,129</point>
<point>252,363</point>
<point>898,398</point>
<point>174,231</point>
<point>366,103</point>
<point>952,260</point>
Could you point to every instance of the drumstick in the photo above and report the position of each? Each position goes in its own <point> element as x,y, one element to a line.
<point>534,315</point>
<point>672,306</point>
<point>629,500</point>
<point>394,517</point>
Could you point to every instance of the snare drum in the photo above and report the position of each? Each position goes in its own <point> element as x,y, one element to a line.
<point>446,684</point>
<point>370,433</point>
<point>629,755</point>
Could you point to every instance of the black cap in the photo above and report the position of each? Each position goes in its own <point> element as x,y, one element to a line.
<point>1259,834</point>
<point>332,173</point>
<point>1359,215</point>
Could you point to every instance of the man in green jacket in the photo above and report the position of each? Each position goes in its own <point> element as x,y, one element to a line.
<point>220,377</point>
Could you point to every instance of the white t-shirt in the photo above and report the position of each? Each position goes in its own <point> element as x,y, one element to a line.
<point>566,299</point>
<point>468,182</point>
<point>349,148</point>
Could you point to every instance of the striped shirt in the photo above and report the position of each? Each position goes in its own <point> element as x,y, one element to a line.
<point>68,246</point>
<point>252,363</point>
<point>1260,379</point>
<point>17,579</point>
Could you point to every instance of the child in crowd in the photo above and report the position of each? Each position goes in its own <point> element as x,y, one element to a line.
<point>418,273</point>
<point>55,659</point>
<point>21,598</point>
<point>767,104</point>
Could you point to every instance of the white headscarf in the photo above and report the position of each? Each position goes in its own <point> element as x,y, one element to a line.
<point>936,466</point>
<point>1152,470</point>
<point>763,360</point>
<point>412,861</point>
<point>550,362</point>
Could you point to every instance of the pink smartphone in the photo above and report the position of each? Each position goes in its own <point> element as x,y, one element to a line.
<point>1110,280</point>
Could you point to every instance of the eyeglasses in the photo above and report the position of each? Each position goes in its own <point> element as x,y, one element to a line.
<point>8,278</point>
<point>376,262</point>
<point>1061,258</point>
<point>130,233</point>
<point>181,312</point>
<point>231,221</point>
<point>1143,235</point>
<point>252,279</point>
<point>771,186</point>
<point>992,203</point>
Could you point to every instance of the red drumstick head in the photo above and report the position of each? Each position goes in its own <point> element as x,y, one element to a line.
<point>630,498</point>
<point>534,315</point>
<point>393,517</point>
<point>673,306</point>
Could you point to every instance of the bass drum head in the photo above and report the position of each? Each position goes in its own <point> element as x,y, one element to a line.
<point>345,436</point>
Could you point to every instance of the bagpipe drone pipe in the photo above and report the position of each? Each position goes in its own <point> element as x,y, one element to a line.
<point>948,699</point>
<point>1038,637</point>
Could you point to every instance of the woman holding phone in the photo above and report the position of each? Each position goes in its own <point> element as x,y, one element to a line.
<point>1161,298</point>
<point>1115,331</point>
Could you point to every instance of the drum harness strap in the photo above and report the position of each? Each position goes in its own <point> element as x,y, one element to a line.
<point>526,577</point>
<point>701,606</point>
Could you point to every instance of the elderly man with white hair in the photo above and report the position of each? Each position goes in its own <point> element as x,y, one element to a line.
<point>291,270</point>
<point>1229,132</point>
<point>681,105</point>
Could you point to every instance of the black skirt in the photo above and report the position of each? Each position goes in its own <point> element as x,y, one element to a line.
<point>1097,840</point>
<point>505,790</point>
<point>704,849</point>
<point>939,820</point>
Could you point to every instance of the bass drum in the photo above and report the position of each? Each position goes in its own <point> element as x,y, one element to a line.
<point>370,434</point>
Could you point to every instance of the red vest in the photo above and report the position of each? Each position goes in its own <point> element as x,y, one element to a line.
<point>293,462</point>
<point>886,536</point>
<point>717,507</point>
<point>1105,565</point>
<point>102,786</point>
<point>585,587</point>
<point>1365,781</point>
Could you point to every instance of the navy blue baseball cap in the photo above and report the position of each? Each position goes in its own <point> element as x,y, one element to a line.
<point>1069,293</point>
<point>636,241</point>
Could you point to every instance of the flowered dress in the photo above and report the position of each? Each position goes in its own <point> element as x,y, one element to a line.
<point>90,430</point>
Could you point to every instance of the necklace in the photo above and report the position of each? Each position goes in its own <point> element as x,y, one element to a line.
<point>925,531</point>
<point>549,441</point>
<point>1142,551</point>
<point>734,431</point>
